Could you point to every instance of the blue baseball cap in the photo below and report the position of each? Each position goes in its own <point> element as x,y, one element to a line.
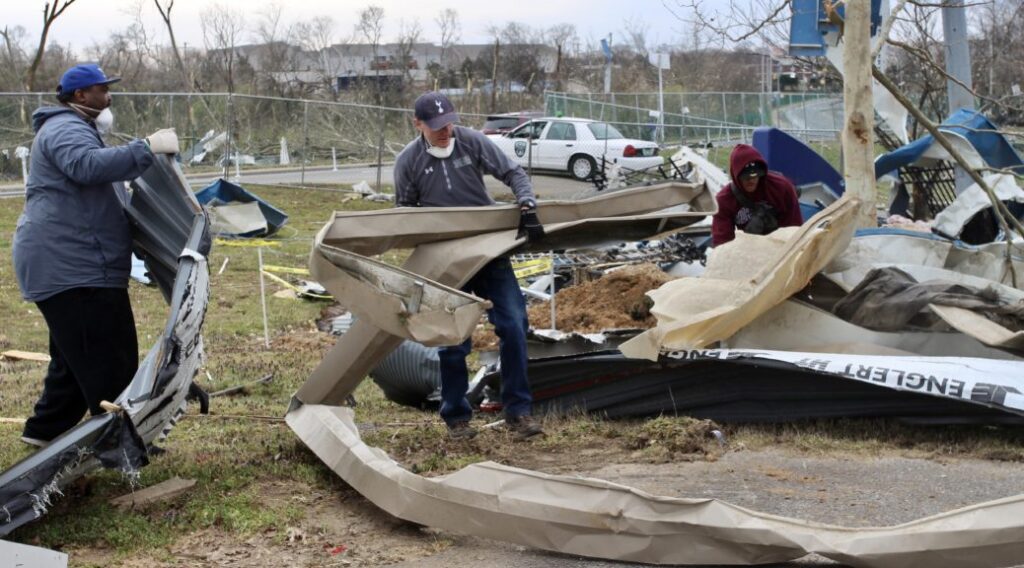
<point>83,76</point>
<point>435,110</point>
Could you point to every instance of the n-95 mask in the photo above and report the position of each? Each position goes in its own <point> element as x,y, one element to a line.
<point>442,153</point>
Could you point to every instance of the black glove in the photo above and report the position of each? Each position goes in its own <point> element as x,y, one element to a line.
<point>529,225</point>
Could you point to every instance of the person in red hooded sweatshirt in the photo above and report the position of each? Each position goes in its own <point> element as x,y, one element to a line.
<point>757,201</point>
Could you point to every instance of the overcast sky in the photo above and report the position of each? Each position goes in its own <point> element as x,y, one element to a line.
<point>90,21</point>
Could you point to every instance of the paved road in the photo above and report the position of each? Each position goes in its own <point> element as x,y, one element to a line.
<point>823,114</point>
<point>545,186</point>
<point>850,491</point>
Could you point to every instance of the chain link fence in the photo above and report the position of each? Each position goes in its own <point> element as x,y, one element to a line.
<point>708,118</point>
<point>221,131</point>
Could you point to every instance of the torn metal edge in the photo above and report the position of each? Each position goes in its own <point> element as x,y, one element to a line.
<point>600,519</point>
<point>166,221</point>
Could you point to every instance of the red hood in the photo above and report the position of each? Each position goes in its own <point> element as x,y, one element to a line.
<point>742,155</point>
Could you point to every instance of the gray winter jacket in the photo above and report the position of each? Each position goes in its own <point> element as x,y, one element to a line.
<point>73,232</point>
<point>421,180</point>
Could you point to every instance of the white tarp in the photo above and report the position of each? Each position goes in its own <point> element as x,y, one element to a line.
<point>951,220</point>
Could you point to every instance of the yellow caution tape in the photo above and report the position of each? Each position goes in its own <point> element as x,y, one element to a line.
<point>531,267</point>
<point>286,270</point>
<point>246,243</point>
<point>295,288</point>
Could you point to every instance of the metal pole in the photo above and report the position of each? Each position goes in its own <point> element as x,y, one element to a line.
<point>958,55</point>
<point>529,152</point>
<point>552,273</point>
<point>263,299</point>
<point>661,104</point>
<point>305,141</point>
<point>380,142</point>
<point>958,66</point>
<point>608,69</point>
<point>334,158</point>
<point>228,133</point>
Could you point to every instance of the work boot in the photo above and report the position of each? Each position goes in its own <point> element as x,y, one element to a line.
<point>523,426</point>
<point>461,430</point>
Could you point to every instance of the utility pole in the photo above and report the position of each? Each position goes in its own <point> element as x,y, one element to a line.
<point>958,67</point>
<point>858,105</point>
<point>958,55</point>
<point>606,46</point>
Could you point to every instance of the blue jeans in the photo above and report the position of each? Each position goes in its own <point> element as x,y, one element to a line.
<point>495,282</point>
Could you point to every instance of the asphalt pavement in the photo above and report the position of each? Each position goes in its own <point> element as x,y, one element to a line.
<point>853,491</point>
<point>546,186</point>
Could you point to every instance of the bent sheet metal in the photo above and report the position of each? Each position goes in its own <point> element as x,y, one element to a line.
<point>170,232</point>
<point>600,519</point>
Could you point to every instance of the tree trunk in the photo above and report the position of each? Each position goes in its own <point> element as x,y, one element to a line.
<point>858,105</point>
<point>494,76</point>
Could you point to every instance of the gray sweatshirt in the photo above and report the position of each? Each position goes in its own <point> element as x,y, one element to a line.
<point>73,232</point>
<point>421,180</point>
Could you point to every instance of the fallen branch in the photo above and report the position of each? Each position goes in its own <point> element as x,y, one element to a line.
<point>241,389</point>
<point>1003,214</point>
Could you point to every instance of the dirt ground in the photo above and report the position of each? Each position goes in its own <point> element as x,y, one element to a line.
<point>341,528</point>
<point>617,300</point>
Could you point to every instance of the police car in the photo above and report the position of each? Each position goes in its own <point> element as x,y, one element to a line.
<point>574,145</point>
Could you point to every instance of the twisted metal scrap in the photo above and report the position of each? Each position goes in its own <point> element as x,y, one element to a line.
<point>170,232</point>
<point>583,516</point>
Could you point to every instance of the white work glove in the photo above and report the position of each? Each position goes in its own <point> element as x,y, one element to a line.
<point>163,141</point>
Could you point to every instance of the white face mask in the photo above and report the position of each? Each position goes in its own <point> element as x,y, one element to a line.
<point>442,152</point>
<point>104,121</point>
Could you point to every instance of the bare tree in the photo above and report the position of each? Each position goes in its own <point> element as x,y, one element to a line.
<point>129,51</point>
<point>738,21</point>
<point>636,37</point>
<point>317,38</point>
<point>370,28</point>
<point>408,37</point>
<point>51,11</point>
<point>13,57</point>
<point>560,35</point>
<point>274,37</point>
<point>222,30</point>
<point>448,24</point>
<point>165,14</point>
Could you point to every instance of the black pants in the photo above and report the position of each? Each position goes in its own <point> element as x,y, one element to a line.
<point>94,354</point>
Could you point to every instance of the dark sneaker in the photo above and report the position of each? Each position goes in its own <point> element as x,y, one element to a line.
<point>461,430</point>
<point>35,442</point>
<point>523,426</point>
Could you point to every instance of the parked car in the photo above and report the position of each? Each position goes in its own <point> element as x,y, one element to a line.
<point>574,145</point>
<point>502,123</point>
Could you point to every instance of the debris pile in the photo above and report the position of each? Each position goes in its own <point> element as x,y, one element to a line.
<point>617,300</point>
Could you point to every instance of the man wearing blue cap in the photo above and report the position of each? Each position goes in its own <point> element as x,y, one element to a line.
<point>444,167</point>
<point>72,249</point>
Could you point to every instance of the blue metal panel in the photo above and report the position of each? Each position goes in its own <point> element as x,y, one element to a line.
<point>810,23</point>
<point>795,160</point>
<point>223,191</point>
<point>972,125</point>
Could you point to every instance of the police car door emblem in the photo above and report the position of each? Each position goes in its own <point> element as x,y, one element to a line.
<point>520,148</point>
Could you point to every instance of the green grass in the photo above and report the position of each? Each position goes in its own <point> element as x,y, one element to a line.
<point>245,448</point>
<point>230,458</point>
